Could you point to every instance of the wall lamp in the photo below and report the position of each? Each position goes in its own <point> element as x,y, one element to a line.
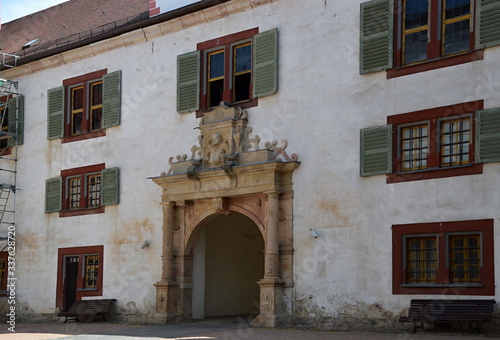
<point>314,233</point>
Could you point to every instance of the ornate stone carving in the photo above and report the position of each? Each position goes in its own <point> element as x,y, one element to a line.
<point>216,151</point>
<point>225,142</point>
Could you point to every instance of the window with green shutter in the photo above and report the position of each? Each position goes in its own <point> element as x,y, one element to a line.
<point>432,143</point>
<point>84,106</point>
<point>235,69</point>
<point>82,191</point>
<point>410,36</point>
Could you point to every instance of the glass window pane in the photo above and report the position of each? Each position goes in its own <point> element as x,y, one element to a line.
<point>456,8</point>
<point>77,98</point>
<point>243,59</point>
<point>416,13</point>
<point>216,65</point>
<point>96,91</point>
<point>415,47</point>
<point>456,37</point>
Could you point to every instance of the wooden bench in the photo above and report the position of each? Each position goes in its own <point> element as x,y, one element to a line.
<point>88,308</point>
<point>449,311</point>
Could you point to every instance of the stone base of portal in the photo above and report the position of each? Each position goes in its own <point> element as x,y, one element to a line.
<point>167,302</point>
<point>273,309</point>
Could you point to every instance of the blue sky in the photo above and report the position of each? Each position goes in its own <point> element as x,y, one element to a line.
<point>13,9</point>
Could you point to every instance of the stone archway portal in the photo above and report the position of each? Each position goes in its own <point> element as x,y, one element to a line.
<point>227,172</point>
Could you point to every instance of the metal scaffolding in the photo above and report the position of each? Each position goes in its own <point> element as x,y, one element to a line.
<point>10,105</point>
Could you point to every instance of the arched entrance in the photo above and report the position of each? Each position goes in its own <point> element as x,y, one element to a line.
<point>228,260</point>
<point>233,182</point>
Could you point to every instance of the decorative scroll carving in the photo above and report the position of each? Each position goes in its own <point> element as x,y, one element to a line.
<point>281,151</point>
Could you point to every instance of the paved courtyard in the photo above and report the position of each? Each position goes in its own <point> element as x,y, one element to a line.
<point>224,329</point>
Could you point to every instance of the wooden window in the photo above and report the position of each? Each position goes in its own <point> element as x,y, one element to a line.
<point>441,142</point>
<point>4,118</point>
<point>235,69</point>
<point>414,147</point>
<point>228,64</point>
<point>465,258</point>
<point>444,258</point>
<point>79,274</point>
<point>428,36</point>
<point>421,259</point>
<point>84,106</point>
<point>456,141</point>
<point>3,272</point>
<point>410,36</point>
<point>91,271</point>
<point>82,191</point>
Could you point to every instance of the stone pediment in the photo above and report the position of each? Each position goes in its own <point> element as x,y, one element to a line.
<point>225,142</point>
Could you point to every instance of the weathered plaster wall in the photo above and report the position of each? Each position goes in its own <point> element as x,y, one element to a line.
<point>321,104</point>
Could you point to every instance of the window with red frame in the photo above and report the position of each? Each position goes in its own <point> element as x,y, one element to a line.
<point>444,258</point>
<point>446,141</point>
<point>82,191</point>
<point>84,106</point>
<point>432,29</point>
<point>235,69</point>
<point>3,271</point>
<point>79,274</point>
<point>410,36</point>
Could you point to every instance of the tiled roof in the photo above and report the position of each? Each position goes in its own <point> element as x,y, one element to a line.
<point>66,19</point>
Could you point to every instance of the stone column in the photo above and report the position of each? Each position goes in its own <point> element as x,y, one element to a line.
<point>272,307</point>
<point>167,288</point>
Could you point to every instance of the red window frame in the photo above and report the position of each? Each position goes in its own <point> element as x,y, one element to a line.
<point>81,252</point>
<point>442,231</point>
<point>4,148</point>
<point>4,257</point>
<point>84,81</point>
<point>435,58</point>
<point>433,117</point>
<point>225,43</point>
<point>81,173</point>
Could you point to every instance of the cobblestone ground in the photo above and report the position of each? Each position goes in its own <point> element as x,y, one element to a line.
<point>206,330</point>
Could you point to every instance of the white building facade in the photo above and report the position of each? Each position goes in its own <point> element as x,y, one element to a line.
<point>381,187</point>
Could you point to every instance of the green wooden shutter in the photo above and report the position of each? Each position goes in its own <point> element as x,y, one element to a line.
<point>376,151</point>
<point>53,192</point>
<point>111,99</point>
<point>16,125</point>
<point>55,112</point>
<point>487,23</point>
<point>188,82</point>
<point>265,63</point>
<point>376,37</point>
<point>110,188</point>
<point>488,135</point>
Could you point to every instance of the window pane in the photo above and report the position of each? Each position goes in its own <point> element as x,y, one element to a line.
<point>465,257</point>
<point>94,190</point>
<point>216,64</point>
<point>91,271</point>
<point>77,98</point>
<point>414,147</point>
<point>4,113</point>
<point>456,37</point>
<point>243,58</point>
<point>415,47</point>
<point>455,139</point>
<point>96,93</point>
<point>96,106</point>
<point>74,192</point>
<point>456,8</point>
<point>416,13</point>
<point>421,259</point>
